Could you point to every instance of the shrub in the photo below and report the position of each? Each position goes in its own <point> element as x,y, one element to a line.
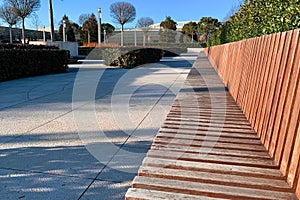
<point>119,57</point>
<point>102,53</point>
<point>27,46</point>
<point>85,50</point>
<point>19,63</point>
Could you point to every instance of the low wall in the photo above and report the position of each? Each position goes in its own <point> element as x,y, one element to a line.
<point>263,76</point>
<point>70,46</point>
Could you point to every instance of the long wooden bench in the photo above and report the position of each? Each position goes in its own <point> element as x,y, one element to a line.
<point>207,149</point>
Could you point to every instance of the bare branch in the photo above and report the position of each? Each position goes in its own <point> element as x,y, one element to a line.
<point>145,22</point>
<point>7,14</point>
<point>122,12</point>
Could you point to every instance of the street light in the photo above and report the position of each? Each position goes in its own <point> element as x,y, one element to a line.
<point>44,34</point>
<point>64,30</point>
<point>135,43</point>
<point>99,26</point>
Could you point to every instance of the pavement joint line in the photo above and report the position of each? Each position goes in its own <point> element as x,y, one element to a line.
<point>28,99</point>
<point>148,113</point>
<point>32,99</point>
<point>122,145</point>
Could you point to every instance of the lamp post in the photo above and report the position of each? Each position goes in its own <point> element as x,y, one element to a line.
<point>64,30</point>
<point>44,34</point>
<point>52,34</point>
<point>99,26</point>
<point>135,43</point>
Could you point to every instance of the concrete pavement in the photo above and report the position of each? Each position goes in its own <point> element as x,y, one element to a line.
<point>83,134</point>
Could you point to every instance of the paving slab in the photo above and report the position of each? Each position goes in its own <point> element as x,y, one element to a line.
<point>34,186</point>
<point>83,134</point>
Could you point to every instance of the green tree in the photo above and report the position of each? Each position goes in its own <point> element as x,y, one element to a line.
<point>109,30</point>
<point>168,29</point>
<point>71,28</point>
<point>206,27</point>
<point>190,29</point>
<point>23,9</point>
<point>260,17</point>
<point>89,31</point>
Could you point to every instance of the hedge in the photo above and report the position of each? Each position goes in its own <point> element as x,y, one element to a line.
<point>20,63</point>
<point>256,18</point>
<point>97,53</point>
<point>117,57</point>
<point>27,46</point>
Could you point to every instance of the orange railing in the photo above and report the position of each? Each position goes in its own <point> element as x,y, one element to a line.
<point>263,76</point>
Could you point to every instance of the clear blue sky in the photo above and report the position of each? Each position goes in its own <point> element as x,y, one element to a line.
<point>179,10</point>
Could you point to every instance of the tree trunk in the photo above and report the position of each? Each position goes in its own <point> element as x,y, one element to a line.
<point>23,30</point>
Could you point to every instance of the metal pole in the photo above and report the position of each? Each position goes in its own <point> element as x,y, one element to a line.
<point>122,37</point>
<point>44,34</point>
<point>104,36</point>
<point>99,26</point>
<point>135,43</point>
<point>52,34</point>
<point>64,31</point>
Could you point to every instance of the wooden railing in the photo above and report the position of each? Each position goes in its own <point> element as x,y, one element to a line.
<point>263,76</point>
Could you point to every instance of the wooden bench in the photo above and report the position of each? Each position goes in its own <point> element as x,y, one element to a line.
<point>207,149</point>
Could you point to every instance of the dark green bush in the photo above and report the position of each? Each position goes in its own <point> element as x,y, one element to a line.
<point>256,18</point>
<point>131,59</point>
<point>27,47</point>
<point>100,53</point>
<point>19,63</point>
<point>84,51</point>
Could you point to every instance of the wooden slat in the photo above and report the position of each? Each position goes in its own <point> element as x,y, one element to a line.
<point>210,190</point>
<point>291,110</point>
<point>206,148</point>
<point>245,171</point>
<point>146,194</point>
<point>268,93</point>
<point>266,100</point>
<point>214,178</point>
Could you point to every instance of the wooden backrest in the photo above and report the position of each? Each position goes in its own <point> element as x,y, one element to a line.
<point>263,76</point>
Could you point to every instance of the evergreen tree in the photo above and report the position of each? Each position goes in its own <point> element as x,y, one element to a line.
<point>71,28</point>
<point>190,29</point>
<point>168,29</point>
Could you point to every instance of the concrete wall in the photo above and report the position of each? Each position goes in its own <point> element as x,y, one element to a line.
<point>70,46</point>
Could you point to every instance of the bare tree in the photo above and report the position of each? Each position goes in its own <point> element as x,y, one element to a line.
<point>144,23</point>
<point>122,13</point>
<point>7,14</point>
<point>35,21</point>
<point>23,9</point>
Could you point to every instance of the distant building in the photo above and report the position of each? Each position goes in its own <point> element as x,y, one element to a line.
<point>179,25</point>
<point>31,35</point>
